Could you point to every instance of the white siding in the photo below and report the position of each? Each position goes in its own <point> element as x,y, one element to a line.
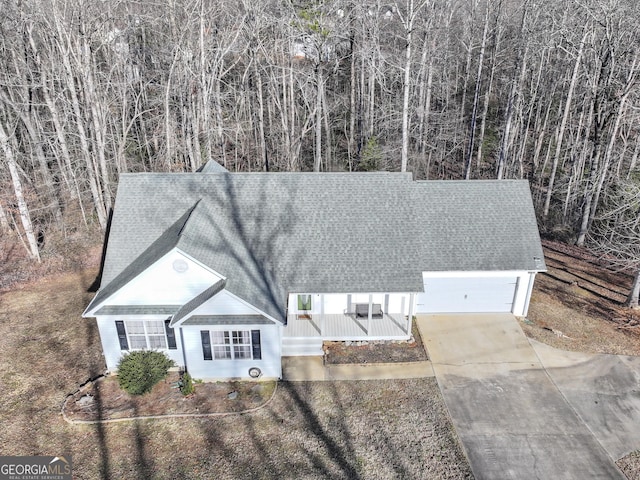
<point>162,284</point>
<point>225,303</point>
<point>111,344</point>
<point>199,368</point>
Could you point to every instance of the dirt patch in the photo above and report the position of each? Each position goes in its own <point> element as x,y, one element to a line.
<point>630,465</point>
<point>579,305</point>
<point>105,400</point>
<point>411,350</point>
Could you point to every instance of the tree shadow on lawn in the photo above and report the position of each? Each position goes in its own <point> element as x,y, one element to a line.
<point>347,430</point>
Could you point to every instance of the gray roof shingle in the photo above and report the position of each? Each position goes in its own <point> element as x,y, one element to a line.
<point>227,320</point>
<point>198,300</point>
<point>138,310</point>
<point>476,226</point>
<point>274,233</point>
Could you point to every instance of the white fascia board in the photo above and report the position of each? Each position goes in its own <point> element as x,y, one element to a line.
<point>87,313</point>
<point>355,292</point>
<point>475,274</point>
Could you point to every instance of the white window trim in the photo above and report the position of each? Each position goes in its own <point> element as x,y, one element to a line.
<point>146,335</point>
<point>232,346</point>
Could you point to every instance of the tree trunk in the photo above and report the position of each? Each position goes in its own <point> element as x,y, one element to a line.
<point>517,75</point>
<point>25,217</point>
<point>629,87</point>
<point>476,94</point>
<point>317,162</point>
<point>632,299</point>
<point>4,222</point>
<point>563,125</point>
<point>406,86</point>
<point>426,89</point>
<point>70,79</point>
<point>487,94</point>
<point>262,141</point>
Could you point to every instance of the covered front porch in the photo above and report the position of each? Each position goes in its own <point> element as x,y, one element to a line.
<point>348,326</point>
<point>315,318</point>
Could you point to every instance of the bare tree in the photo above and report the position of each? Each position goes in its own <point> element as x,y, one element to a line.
<point>408,15</point>
<point>23,209</point>
<point>616,232</point>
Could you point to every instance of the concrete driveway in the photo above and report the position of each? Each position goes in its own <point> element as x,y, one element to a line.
<point>510,413</point>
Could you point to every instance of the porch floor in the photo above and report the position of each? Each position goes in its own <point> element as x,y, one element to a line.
<point>342,327</point>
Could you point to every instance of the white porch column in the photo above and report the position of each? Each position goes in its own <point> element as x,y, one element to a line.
<point>321,314</point>
<point>386,303</point>
<point>349,303</point>
<point>369,315</point>
<point>410,317</point>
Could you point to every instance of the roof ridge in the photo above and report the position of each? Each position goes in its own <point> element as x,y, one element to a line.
<point>184,225</point>
<point>198,300</point>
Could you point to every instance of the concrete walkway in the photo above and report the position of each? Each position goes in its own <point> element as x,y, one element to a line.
<point>512,419</point>
<point>295,369</point>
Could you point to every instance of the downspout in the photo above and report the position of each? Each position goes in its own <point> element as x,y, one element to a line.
<point>525,310</point>
<point>184,355</point>
<point>410,316</point>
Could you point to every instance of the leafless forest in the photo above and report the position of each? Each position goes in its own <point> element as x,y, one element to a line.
<point>544,90</point>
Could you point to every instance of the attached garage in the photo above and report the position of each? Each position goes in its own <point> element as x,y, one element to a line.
<point>470,294</point>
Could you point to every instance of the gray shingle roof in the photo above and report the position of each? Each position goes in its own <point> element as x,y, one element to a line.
<point>274,233</point>
<point>227,320</point>
<point>138,310</point>
<point>476,226</point>
<point>197,301</point>
<point>212,167</point>
<point>158,243</point>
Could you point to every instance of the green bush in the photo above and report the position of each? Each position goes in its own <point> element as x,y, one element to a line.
<point>140,370</point>
<point>186,385</point>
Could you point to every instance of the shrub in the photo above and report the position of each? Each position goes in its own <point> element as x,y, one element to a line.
<point>186,385</point>
<point>140,370</point>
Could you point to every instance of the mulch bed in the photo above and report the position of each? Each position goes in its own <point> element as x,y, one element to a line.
<point>394,351</point>
<point>104,399</point>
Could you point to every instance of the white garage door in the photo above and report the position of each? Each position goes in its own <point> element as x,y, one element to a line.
<point>467,295</point>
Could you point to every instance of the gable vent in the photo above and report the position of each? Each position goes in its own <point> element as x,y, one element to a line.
<point>180,265</point>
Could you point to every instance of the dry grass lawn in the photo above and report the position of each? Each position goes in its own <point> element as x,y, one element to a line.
<point>350,430</point>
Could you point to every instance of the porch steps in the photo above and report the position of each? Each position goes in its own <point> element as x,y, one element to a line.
<point>301,346</point>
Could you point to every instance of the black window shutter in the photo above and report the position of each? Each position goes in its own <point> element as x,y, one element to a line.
<point>206,344</point>
<point>171,335</point>
<point>255,344</point>
<point>122,335</point>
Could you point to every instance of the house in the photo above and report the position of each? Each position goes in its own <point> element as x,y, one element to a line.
<point>228,272</point>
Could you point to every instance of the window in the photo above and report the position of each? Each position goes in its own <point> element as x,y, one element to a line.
<point>145,334</point>
<point>304,302</point>
<point>221,345</point>
<point>241,344</point>
<point>231,344</point>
